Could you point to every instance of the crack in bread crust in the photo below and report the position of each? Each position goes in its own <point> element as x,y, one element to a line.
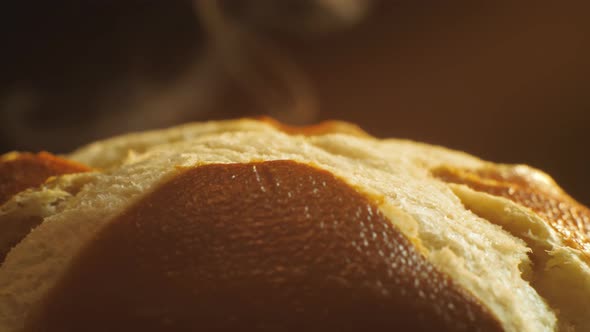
<point>20,171</point>
<point>566,216</point>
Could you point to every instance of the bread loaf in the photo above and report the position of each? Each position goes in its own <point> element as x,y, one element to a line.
<point>252,225</point>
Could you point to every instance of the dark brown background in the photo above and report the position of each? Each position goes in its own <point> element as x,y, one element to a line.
<point>506,81</point>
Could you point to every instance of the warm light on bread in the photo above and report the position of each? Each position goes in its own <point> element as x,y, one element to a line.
<point>253,225</point>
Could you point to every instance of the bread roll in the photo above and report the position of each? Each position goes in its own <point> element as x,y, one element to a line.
<point>252,225</point>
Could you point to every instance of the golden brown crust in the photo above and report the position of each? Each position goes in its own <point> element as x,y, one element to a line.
<point>20,171</point>
<point>322,128</point>
<point>565,215</point>
<point>269,246</point>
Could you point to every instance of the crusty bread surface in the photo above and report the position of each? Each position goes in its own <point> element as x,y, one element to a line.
<point>491,229</point>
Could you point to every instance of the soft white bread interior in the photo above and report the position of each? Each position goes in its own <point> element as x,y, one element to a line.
<point>508,256</point>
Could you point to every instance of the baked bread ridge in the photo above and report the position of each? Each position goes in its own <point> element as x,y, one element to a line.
<point>398,171</point>
<point>112,151</point>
